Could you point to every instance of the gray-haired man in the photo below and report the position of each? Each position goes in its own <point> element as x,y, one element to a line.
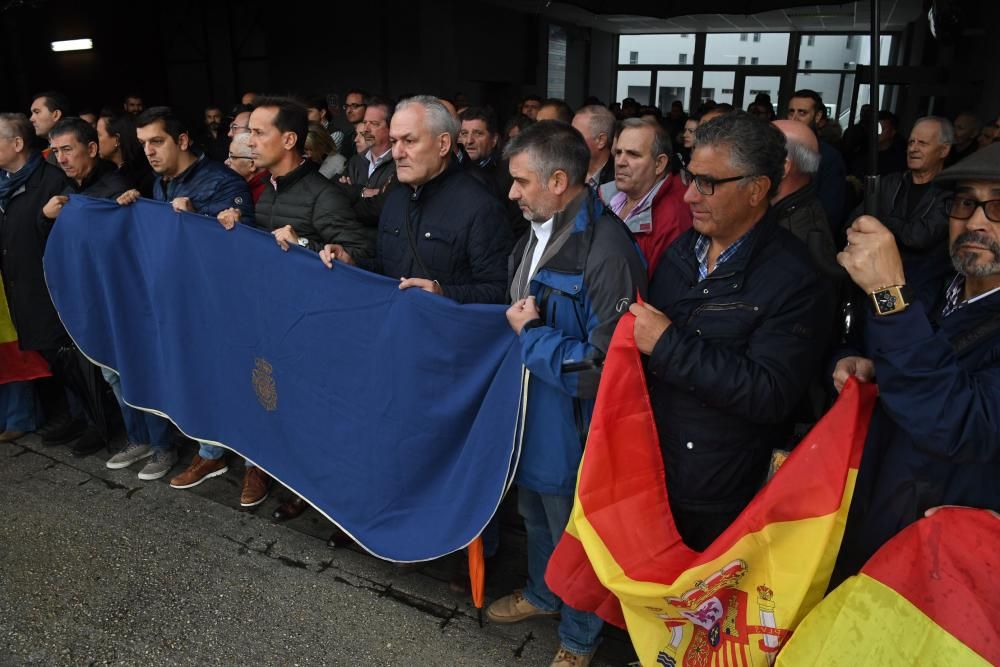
<point>443,233</point>
<point>736,326</point>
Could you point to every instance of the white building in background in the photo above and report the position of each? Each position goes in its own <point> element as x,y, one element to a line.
<point>835,55</point>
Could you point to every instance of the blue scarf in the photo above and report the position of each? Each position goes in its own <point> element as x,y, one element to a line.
<point>10,183</point>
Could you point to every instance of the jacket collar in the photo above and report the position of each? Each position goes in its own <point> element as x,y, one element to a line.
<point>100,170</point>
<point>295,175</point>
<point>801,196</point>
<point>757,238</point>
<point>430,187</point>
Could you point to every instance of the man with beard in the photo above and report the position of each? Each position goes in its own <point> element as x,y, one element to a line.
<point>214,141</point>
<point>934,437</point>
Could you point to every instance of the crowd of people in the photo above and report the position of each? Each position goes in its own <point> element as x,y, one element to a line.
<point>758,283</point>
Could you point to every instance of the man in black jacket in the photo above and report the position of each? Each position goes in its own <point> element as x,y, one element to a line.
<point>443,233</point>
<point>299,207</point>
<point>372,173</point>
<point>30,182</point>
<point>735,328</point>
<point>911,205</point>
<point>479,138</point>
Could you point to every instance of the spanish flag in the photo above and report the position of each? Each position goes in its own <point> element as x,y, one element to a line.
<point>16,365</point>
<point>737,602</point>
<point>929,596</point>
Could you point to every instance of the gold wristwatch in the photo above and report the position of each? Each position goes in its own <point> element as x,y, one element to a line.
<point>891,299</point>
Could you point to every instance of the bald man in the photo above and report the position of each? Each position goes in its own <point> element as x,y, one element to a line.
<point>798,208</point>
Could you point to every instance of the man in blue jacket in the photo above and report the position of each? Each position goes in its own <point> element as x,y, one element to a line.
<point>934,438</point>
<point>189,181</point>
<point>573,276</point>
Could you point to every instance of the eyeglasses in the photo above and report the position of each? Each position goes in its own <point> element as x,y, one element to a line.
<point>239,157</point>
<point>963,208</point>
<point>354,105</point>
<point>234,127</point>
<point>706,184</point>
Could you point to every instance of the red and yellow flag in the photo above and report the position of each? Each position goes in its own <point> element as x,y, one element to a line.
<point>929,596</point>
<point>16,365</point>
<point>736,602</point>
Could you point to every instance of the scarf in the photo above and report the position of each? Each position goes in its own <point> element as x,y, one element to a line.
<point>11,183</point>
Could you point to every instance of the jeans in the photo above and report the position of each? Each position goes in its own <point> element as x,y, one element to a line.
<point>18,408</point>
<point>545,519</point>
<point>212,452</point>
<point>140,427</point>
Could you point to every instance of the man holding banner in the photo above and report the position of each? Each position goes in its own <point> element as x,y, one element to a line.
<point>573,277</point>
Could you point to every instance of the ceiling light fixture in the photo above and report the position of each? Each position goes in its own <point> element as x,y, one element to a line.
<point>73,45</point>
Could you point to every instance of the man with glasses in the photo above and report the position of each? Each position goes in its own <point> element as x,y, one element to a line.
<point>934,438</point>
<point>241,120</point>
<point>735,328</point>
<point>911,205</point>
<point>241,161</point>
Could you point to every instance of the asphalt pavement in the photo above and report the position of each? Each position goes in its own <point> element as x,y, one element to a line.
<point>100,568</point>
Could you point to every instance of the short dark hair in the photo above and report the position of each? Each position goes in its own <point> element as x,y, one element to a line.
<point>552,145</point>
<point>54,101</point>
<point>817,99</point>
<point>384,102</point>
<point>355,91</point>
<point>318,102</point>
<point>484,114</point>
<point>172,123</point>
<point>563,110</point>
<point>889,116</point>
<point>756,147</point>
<point>292,116</point>
<point>520,121</point>
<point>530,98</point>
<point>83,131</point>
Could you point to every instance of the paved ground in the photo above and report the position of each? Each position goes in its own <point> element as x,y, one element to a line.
<point>100,568</point>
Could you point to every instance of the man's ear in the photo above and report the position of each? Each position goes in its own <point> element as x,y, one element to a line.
<point>662,160</point>
<point>759,188</point>
<point>289,139</point>
<point>558,182</point>
<point>444,144</point>
<point>92,149</point>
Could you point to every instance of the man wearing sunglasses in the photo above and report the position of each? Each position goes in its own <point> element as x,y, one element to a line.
<point>934,438</point>
<point>736,328</point>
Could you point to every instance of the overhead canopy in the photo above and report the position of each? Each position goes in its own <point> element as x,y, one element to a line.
<point>661,16</point>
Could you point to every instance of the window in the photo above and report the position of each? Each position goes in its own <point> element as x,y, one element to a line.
<point>742,60</point>
<point>743,36</point>
<point>707,93</point>
<point>682,59</point>
<point>685,35</point>
<point>850,42</point>
<point>756,37</point>
<point>754,60</point>
<point>633,57</point>
<point>727,91</point>
<point>809,64</point>
<point>556,84</point>
<point>811,40</point>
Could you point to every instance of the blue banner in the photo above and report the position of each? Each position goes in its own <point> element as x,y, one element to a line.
<point>395,413</point>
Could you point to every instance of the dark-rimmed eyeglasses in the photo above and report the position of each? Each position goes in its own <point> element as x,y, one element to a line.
<point>706,184</point>
<point>962,208</point>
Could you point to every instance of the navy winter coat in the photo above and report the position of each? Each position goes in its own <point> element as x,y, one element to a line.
<point>934,437</point>
<point>212,186</point>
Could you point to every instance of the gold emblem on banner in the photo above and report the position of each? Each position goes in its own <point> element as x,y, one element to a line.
<point>263,385</point>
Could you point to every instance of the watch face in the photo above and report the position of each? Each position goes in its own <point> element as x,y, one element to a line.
<point>885,300</point>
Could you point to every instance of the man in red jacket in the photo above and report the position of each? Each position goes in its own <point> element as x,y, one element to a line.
<point>644,194</point>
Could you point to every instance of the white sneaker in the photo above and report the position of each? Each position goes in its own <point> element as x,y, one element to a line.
<point>133,452</point>
<point>160,465</point>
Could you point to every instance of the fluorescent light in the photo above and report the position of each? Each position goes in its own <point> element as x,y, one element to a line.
<point>73,45</point>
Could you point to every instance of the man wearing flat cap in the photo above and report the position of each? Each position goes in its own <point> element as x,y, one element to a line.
<point>934,438</point>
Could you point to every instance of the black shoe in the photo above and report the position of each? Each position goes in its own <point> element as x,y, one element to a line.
<point>51,425</point>
<point>67,432</point>
<point>90,443</point>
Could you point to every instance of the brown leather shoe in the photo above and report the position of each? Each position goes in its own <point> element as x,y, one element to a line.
<point>256,487</point>
<point>10,436</point>
<point>199,470</point>
<point>566,658</point>
<point>513,608</point>
<point>290,509</point>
